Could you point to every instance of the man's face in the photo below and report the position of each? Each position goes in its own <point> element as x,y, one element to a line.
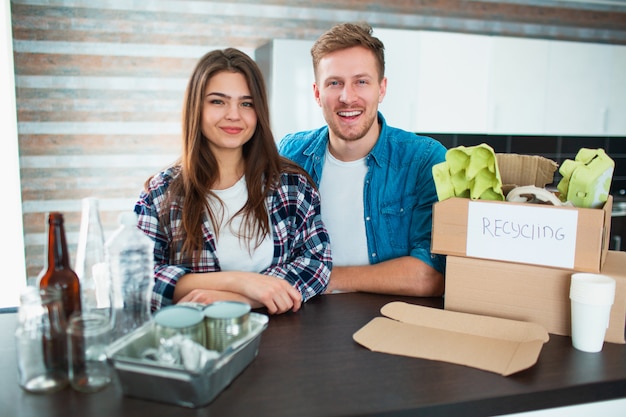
<point>348,90</point>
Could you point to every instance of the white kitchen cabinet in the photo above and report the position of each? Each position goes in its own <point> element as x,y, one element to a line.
<point>441,82</point>
<point>517,88</point>
<point>615,122</point>
<point>437,81</point>
<point>288,72</point>
<point>401,68</point>
<point>577,88</point>
<point>452,82</point>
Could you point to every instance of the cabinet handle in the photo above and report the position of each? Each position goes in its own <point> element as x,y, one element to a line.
<point>604,120</point>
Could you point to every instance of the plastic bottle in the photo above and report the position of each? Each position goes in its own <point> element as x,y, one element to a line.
<point>91,266</point>
<point>130,256</point>
<point>58,272</point>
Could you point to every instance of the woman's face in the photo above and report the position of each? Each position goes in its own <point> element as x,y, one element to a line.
<point>228,115</point>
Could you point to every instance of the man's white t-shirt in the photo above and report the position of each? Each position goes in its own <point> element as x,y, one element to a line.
<point>234,253</point>
<point>341,194</point>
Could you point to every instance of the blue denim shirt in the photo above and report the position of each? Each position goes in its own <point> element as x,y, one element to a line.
<point>398,193</point>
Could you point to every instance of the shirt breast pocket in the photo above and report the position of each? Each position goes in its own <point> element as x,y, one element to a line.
<point>396,218</point>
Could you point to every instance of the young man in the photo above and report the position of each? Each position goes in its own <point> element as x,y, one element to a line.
<point>375,181</point>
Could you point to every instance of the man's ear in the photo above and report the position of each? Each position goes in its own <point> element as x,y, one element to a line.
<point>383,90</point>
<point>316,94</point>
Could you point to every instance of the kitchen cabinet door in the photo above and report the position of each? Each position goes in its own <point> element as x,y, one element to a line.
<point>288,72</point>
<point>452,82</point>
<point>401,69</point>
<point>517,86</point>
<point>577,89</point>
<point>615,122</point>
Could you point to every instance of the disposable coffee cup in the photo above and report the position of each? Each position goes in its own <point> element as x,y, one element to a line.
<point>591,296</point>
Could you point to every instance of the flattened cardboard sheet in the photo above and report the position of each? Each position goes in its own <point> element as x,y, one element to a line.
<point>488,343</point>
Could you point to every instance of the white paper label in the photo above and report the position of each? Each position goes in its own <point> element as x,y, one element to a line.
<point>516,233</point>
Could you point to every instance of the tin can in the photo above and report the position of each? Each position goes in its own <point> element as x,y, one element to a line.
<point>226,322</point>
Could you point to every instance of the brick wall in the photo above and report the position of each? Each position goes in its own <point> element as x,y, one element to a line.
<point>99,84</point>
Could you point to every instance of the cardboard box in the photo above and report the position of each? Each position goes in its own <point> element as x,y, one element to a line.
<point>527,292</point>
<point>488,343</point>
<point>519,170</point>
<point>535,234</point>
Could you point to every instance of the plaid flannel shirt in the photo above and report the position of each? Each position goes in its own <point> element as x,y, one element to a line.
<point>301,244</point>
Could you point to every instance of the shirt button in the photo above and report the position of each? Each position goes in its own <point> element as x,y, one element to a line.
<point>401,210</point>
<point>374,255</point>
<point>368,218</point>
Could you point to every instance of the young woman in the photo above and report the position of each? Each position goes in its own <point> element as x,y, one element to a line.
<point>231,219</point>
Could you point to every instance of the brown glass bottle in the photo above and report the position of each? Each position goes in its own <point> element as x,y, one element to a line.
<point>58,272</point>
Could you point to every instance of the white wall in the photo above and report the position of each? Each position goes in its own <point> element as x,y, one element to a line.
<point>13,275</point>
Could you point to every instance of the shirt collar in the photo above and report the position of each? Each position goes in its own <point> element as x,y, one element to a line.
<point>380,151</point>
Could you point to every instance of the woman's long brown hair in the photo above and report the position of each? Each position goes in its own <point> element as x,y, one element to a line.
<point>198,166</point>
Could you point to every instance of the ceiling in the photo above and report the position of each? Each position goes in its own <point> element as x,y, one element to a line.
<point>603,5</point>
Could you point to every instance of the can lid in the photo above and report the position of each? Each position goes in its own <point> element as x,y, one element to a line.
<point>178,317</point>
<point>226,310</point>
<point>591,288</point>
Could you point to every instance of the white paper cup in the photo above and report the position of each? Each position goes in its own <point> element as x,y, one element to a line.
<point>591,296</point>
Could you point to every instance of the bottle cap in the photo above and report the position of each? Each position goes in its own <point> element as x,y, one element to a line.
<point>127,218</point>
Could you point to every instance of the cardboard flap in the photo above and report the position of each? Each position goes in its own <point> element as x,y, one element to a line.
<point>471,324</point>
<point>437,335</point>
<point>526,169</point>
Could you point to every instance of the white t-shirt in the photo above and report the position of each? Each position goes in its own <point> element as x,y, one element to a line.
<point>341,194</point>
<point>233,252</point>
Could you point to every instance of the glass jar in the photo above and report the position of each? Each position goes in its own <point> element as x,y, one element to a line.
<point>88,336</point>
<point>41,341</point>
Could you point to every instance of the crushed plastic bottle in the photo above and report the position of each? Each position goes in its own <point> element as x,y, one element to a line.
<point>130,257</point>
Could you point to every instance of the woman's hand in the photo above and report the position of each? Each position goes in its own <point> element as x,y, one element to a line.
<point>276,294</point>
<point>258,290</point>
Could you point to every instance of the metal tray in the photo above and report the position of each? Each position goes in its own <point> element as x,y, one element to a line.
<point>173,384</point>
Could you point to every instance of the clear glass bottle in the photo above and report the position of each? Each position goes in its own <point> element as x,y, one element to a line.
<point>57,272</point>
<point>91,266</point>
<point>40,339</point>
<point>131,266</point>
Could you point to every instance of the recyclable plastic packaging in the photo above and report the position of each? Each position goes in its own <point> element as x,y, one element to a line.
<point>129,254</point>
